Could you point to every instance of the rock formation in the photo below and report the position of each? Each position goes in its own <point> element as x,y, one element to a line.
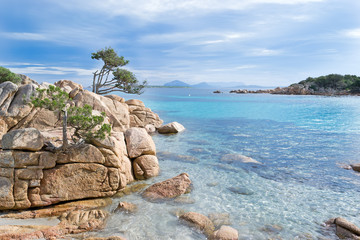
<point>173,127</point>
<point>32,176</point>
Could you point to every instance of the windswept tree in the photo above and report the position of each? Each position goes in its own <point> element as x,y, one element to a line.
<point>87,126</point>
<point>111,77</point>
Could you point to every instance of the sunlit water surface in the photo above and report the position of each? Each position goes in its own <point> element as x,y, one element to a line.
<point>301,142</point>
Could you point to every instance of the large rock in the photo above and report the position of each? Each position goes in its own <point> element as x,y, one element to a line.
<point>346,229</point>
<point>139,142</point>
<point>199,222</point>
<point>7,92</point>
<point>75,181</point>
<point>355,167</point>
<point>225,233</point>
<point>173,127</point>
<point>145,167</point>
<point>19,107</point>
<point>117,112</point>
<point>140,116</point>
<point>169,188</point>
<point>25,139</point>
<point>6,187</point>
<point>85,153</point>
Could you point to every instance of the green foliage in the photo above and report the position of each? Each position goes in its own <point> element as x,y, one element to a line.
<point>52,98</point>
<point>334,82</point>
<point>122,80</point>
<point>7,75</point>
<point>85,123</point>
<point>87,126</point>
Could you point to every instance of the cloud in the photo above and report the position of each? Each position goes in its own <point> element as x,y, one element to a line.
<point>151,9</point>
<point>352,33</point>
<point>24,36</point>
<point>264,52</point>
<point>48,70</point>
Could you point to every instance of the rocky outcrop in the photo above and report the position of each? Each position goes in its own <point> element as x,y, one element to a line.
<point>169,188</point>
<point>173,127</point>
<point>15,113</point>
<point>140,116</point>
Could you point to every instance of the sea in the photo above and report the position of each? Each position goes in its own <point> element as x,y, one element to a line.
<point>302,144</point>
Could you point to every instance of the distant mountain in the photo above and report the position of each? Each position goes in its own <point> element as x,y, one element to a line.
<point>176,83</point>
<point>202,85</point>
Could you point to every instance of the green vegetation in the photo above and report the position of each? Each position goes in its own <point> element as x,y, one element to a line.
<point>122,80</point>
<point>80,118</point>
<point>7,75</point>
<point>333,82</point>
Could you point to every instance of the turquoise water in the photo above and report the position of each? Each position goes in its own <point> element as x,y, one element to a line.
<point>301,142</point>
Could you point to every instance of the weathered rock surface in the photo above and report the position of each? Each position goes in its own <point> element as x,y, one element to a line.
<point>199,222</point>
<point>24,139</point>
<point>173,127</point>
<point>146,166</point>
<point>355,167</point>
<point>225,233</point>
<point>169,188</point>
<point>140,116</point>
<point>230,158</point>
<point>346,229</point>
<point>126,207</point>
<point>139,142</point>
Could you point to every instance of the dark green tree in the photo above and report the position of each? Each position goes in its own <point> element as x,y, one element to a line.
<point>86,125</point>
<point>111,77</point>
<point>7,75</point>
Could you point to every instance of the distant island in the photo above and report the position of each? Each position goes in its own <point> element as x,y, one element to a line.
<point>208,85</point>
<point>332,84</point>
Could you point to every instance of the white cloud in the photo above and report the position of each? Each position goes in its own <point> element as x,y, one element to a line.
<point>264,52</point>
<point>24,36</point>
<point>352,33</point>
<point>52,70</point>
<point>150,9</point>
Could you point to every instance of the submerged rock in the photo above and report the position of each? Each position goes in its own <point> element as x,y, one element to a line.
<point>241,190</point>
<point>230,158</point>
<point>173,127</point>
<point>126,207</point>
<point>169,188</point>
<point>225,233</point>
<point>200,222</point>
<point>220,219</point>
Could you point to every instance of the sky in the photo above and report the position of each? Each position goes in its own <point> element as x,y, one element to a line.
<point>257,42</point>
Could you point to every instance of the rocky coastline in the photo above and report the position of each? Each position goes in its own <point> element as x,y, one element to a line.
<point>76,186</point>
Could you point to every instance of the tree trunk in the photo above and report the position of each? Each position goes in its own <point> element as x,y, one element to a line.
<point>65,140</point>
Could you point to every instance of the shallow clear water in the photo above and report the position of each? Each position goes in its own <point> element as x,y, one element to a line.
<point>301,140</point>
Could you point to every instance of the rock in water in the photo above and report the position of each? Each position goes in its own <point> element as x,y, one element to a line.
<point>139,142</point>
<point>225,233</point>
<point>23,139</point>
<point>199,222</point>
<point>146,166</point>
<point>168,189</point>
<point>230,158</point>
<point>173,127</point>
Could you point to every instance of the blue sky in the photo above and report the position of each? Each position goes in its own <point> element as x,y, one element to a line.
<point>263,42</point>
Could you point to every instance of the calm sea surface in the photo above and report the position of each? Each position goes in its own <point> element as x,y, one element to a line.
<point>301,142</point>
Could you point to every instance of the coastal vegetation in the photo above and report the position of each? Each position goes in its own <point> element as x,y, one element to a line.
<point>80,118</point>
<point>122,80</point>
<point>333,82</point>
<point>7,75</point>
